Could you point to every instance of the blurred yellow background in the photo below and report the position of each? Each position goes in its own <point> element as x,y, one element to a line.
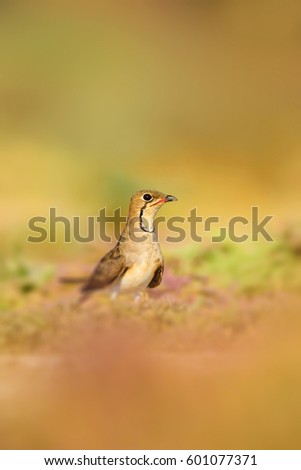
<point>198,98</point>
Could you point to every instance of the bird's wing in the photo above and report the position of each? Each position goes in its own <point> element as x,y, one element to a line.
<point>109,268</point>
<point>156,280</point>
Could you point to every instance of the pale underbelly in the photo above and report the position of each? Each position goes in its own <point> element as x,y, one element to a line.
<point>137,277</point>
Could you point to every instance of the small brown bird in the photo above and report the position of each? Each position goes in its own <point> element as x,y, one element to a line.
<point>136,262</point>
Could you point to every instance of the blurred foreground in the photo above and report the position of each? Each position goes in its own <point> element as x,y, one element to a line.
<point>122,387</point>
<point>209,361</point>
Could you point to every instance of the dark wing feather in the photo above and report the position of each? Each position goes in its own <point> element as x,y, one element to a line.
<point>109,268</point>
<point>156,280</point>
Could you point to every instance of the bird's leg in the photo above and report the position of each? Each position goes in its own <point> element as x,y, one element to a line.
<point>114,293</point>
<point>137,297</point>
<point>140,296</point>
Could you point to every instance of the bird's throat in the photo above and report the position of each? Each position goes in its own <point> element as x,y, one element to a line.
<point>146,223</point>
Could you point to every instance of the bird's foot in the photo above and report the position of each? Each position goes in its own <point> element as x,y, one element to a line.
<point>140,297</point>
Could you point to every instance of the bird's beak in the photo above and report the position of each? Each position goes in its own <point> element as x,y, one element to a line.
<point>170,198</point>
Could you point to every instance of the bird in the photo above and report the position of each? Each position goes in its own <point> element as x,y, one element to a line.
<point>136,261</point>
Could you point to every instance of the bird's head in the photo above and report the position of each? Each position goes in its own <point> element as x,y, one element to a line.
<point>149,201</point>
<point>144,206</point>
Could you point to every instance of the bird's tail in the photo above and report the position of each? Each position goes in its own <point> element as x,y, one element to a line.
<point>84,292</point>
<point>73,280</point>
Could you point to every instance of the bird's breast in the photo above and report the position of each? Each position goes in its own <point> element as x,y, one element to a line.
<point>142,259</point>
<point>141,272</point>
<point>137,277</point>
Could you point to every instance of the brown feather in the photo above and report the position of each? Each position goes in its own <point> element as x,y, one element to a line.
<point>109,268</point>
<point>157,279</point>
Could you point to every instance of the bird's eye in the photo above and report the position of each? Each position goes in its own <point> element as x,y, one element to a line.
<point>147,197</point>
